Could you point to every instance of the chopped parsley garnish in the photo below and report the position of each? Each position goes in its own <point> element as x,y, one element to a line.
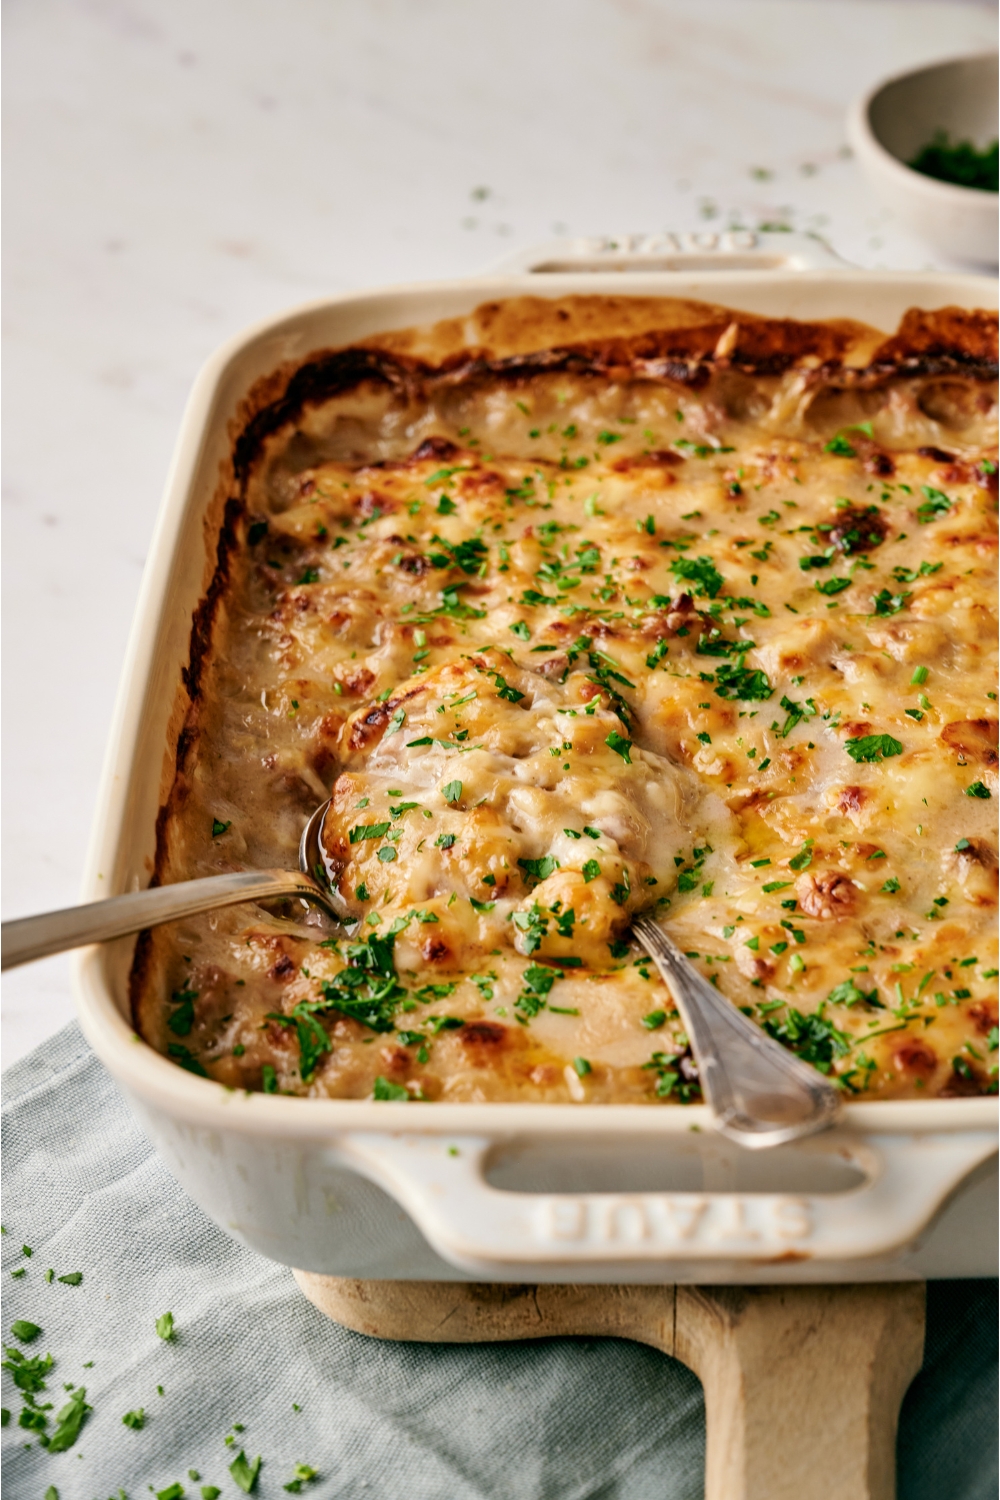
<point>25,1331</point>
<point>386,1091</point>
<point>452,792</point>
<point>960,162</point>
<point>72,1278</point>
<point>69,1419</point>
<point>135,1419</point>
<point>740,682</point>
<point>165,1326</point>
<point>813,1038</point>
<point>181,1020</point>
<point>220,828</point>
<point>186,1059</point>
<point>978,789</point>
<point>533,925</point>
<point>872,747</point>
<point>700,571</point>
<point>830,586</point>
<point>935,503</point>
<point>362,831</point>
<point>620,745</point>
<point>848,993</point>
<point>301,1475</point>
<point>539,869</point>
<point>889,604</point>
<point>591,870</point>
<point>245,1473</point>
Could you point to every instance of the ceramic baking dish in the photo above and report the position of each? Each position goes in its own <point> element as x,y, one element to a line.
<point>510,1192</point>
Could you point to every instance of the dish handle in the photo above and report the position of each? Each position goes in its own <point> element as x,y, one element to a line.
<point>706,250</point>
<point>494,1234</point>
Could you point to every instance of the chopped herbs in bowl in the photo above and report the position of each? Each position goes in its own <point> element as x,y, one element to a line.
<point>959,162</point>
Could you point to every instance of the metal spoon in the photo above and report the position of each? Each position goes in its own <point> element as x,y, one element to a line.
<point>760,1094</point>
<point>29,938</point>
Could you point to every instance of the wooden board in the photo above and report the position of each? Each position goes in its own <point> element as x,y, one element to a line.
<point>803,1385</point>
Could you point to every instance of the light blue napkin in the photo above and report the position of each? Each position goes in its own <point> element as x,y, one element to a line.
<point>569,1418</point>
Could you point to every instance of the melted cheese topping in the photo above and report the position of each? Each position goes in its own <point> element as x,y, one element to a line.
<point>572,648</point>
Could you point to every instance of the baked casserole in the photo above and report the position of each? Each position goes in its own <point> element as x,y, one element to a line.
<point>579,608</point>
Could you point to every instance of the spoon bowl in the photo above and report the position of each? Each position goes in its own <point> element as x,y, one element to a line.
<point>28,938</point>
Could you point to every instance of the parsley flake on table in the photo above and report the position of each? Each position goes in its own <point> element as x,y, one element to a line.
<point>69,1420</point>
<point>135,1419</point>
<point>245,1473</point>
<point>72,1278</point>
<point>24,1330</point>
<point>165,1327</point>
<point>301,1475</point>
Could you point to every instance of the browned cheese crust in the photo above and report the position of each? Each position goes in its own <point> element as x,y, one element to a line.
<point>580,608</point>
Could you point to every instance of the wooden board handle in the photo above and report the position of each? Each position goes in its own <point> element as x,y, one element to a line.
<point>803,1384</point>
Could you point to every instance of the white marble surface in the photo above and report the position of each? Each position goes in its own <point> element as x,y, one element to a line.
<point>175,169</point>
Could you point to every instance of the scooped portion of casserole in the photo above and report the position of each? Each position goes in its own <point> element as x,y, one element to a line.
<point>576,609</point>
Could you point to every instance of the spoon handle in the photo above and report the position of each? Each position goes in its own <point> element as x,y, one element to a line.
<point>29,938</point>
<point>760,1094</point>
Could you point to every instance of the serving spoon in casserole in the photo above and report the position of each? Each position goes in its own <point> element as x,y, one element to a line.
<point>760,1094</point>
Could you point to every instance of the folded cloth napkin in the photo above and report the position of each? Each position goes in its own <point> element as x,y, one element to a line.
<point>254,1368</point>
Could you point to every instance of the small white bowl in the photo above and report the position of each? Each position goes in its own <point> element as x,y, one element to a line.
<point>888,127</point>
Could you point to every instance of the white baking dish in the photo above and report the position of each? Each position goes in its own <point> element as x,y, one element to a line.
<point>510,1192</point>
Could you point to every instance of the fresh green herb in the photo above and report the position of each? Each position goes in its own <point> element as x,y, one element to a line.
<point>521,630</point>
<point>654,1020</point>
<point>481,906</point>
<point>959,162</point>
<point>69,1420</point>
<point>301,1475</point>
<point>701,571</point>
<point>740,682</point>
<point>452,792</point>
<point>872,747</point>
<point>244,1473</point>
<point>775,885</point>
<point>425,739</point>
<point>24,1330</point>
<point>831,586</point>
<point>840,445</point>
<point>165,1326</point>
<point>383,1090</point>
<point>620,745</point>
<point>591,870</point>
<point>803,859</point>
<point>890,886</point>
<point>135,1419</point>
<point>935,503</point>
<point>220,828</point>
<point>533,925</point>
<point>72,1278</point>
<point>582,1067</point>
<point>889,604</point>
<point>363,831</point>
<point>539,869</point>
<point>813,1038</point>
<point>919,676</point>
<point>978,789</point>
<point>182,1019</point>
<point>848,993</point>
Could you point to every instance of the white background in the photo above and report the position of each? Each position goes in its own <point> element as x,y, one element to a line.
<point>178,168</point>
